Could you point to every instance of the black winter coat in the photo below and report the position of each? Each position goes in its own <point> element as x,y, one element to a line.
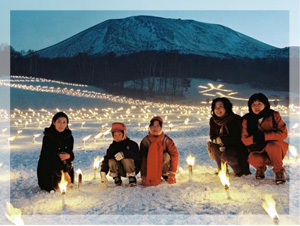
<point>230,138</point>
<point>130,150</point>
<point>50,165</point>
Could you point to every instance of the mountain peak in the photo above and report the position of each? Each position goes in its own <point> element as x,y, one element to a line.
<point>148,33</point>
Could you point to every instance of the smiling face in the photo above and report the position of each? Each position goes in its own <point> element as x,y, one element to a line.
<point>118,136</point>
<point>60,124</point>
<point>219,109</point>
<point>257,107</point>
<point>155,128</point>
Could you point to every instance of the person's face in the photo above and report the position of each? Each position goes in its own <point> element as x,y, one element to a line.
<point>257,107</point>
<point>155,128</point>
<point>60,124</point>
<point>219,109</point>
<point>118,136</point>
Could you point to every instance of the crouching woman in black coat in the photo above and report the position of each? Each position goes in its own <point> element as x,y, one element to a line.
<point>56,154</point>
<point>225,134</point>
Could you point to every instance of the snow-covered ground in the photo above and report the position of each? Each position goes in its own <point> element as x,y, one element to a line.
<point>201,200</point>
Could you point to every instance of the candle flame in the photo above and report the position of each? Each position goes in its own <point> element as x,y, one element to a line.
<point>295,125</point>
<point>190,160</point>
<point>293,151</point>
<point>36,135</point>
<point>79,171</point>
<point>11,138</point>
<point>98,136</point>
<point>14,214</point>
<point>97,161</point>
<point>86,138</point>
<point>223,175</point>
<point>269,206</point>
<point>106,132</point>
<point>63,183</point>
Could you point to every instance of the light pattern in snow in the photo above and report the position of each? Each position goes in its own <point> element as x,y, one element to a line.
<point>201,200</point>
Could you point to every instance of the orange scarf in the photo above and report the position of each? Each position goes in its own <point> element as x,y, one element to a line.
<point>154,160</point>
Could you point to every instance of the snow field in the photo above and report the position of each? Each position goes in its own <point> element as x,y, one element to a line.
<point>201,200</point>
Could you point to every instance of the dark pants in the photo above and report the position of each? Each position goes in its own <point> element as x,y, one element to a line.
<point>236,158</point>
<point>49,181</point>
<point>125,167</point>
<point>166,163</point>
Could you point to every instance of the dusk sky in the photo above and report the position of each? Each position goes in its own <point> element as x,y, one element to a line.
<point>35,25</point>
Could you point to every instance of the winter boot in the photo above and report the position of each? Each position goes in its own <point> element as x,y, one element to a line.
<point>260,173</point>
<point>132,181</point>
<point>279,177</point>
<point>118,180</point>
<point>165,177</point>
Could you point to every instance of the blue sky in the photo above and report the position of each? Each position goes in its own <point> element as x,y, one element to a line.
<point>39,29</point>
<point>33,25</point>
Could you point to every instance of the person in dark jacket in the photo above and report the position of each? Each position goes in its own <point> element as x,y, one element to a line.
<point>225,134</point>
<point>263,133</point>
<point>122,157</point>
<point>57,154</point>
<point>159,155</point>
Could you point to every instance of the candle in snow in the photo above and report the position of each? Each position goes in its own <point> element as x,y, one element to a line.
<point>79,172</point>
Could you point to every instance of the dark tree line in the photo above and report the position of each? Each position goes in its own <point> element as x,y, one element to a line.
<point>152,72</point>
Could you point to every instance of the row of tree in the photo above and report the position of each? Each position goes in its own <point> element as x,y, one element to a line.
<point>171,68</point>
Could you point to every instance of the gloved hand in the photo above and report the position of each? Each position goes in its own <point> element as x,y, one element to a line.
<point>171,178</point>
<point>218,141</point>
<point>258,137</point>
<point>119,156</point>
<point>104,180</point>
<point>222,148</point>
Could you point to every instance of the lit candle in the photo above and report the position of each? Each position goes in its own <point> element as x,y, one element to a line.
<point>295,126</point>
<point>97,136</point>
<point>106,132</point>
<point>97,161</point>
<point>79,172</point>
<point>4,130</point>
<point>19,132</point>
<point>190,161</point>
<point>14,214</point>
<point>35,136</point>
<point>10,139</point>
<point>269,206</point>
<point>85,139</point>
<point>293,151</point>
<point>63,187</point>
<point>224,178</point>
<point>171,126</point>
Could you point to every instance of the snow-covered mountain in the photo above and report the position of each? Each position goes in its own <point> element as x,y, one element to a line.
<point>147,33</point>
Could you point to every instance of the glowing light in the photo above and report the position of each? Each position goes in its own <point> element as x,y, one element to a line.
<point>296,125</point>
<point>11,138</point>
<point>293,151</point>
<point>223,175</point>
<point>63,183</point>
<point>14,214</point>
<point>97,161</point>
<point>86,138</point>
<point>190,160</point>
<point>269,206</point>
